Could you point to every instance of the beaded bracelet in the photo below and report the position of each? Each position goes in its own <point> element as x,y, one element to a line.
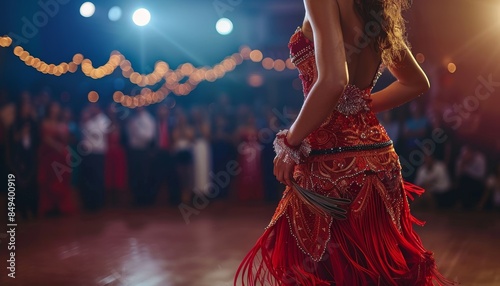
<point>289,153</point>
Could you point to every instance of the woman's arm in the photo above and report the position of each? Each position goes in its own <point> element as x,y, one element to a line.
<point>410,83</point>
<point>324,17</point>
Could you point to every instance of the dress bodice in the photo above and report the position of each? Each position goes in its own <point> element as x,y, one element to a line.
<point>352,122</point>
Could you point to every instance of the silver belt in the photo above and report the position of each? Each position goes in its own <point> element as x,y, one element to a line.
<point>363,147</point>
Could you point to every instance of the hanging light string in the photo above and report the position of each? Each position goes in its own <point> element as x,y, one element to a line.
<point>180,81</point>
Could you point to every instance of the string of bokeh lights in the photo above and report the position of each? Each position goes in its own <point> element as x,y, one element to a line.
<point>180,81</point>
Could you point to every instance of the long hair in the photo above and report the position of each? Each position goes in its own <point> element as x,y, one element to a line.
<point>386,20</point>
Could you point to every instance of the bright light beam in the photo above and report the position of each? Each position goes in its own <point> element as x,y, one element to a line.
<point>141,17</point>
<point>87,9</point>
<point>224,26</point>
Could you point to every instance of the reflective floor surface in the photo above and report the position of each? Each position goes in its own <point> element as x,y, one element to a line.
<point>155,246</point>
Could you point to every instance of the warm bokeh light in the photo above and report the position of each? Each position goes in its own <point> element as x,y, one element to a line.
<point>256,56</point>
<point>268,63</point>
<point>255,80</point>
<point>452,68</point>
<point>420,58</point>
<point>187,72</point>
<point>245,52</point>
<point>18,50</point>
<point>93,96</point>
<point>279,65</point>
<point>187,69</point>
<point>5,41</point>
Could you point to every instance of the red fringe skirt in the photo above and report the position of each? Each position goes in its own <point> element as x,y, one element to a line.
<point>367,249</point>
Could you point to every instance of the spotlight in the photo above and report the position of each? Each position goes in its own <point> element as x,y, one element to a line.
<point>115,13</point>
<point>141,17</point>
<point>224,26</point>
<point>87,9</point>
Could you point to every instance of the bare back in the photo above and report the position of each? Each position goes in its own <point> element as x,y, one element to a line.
<point>362,58</point>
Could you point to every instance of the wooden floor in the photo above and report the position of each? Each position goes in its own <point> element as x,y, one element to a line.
<point>155,246</point>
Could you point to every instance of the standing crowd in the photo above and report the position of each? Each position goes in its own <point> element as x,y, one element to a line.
<point>114,155</point>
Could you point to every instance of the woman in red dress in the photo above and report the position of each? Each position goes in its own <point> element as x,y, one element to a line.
<point>344,218</point>
<point>54,173</point>
<point>115,162</point>
<point>250,185</point>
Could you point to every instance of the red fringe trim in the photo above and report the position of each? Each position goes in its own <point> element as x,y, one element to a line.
<point>363,250</point>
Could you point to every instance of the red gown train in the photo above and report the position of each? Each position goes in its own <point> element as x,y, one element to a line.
<point>376,244</point>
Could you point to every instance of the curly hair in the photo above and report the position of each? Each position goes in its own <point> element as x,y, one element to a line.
<point>389,31</point>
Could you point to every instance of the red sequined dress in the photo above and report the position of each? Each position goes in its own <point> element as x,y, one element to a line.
<point>376,244</point>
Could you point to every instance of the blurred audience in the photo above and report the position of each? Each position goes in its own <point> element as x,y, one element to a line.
<point>250,185</point>
<point>95,128</point>
<point>54,174</point>
<point>491,196</point>
<point>471,175</point>
<point>141,131</point>
<point>115,159</point>
<point>393,127</point>
<point>183,135</point>
<point>202,157</point>
<point>22,158</point>
<point>164,162</point>
<point>186,150</point>
<point>434,178</point>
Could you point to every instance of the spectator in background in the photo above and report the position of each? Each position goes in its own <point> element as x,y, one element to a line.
<point>41,102</point>
<point>434,178</point>
<point>202,157</point>
<point>95,128</point>
<point>393,127</point>
<point>164,165</point>
<point>22,155</point>
<point>141,130</point>
<point>250,185</point>
<point>73,139</point>
<point>182,141</point>
<point>415,128</point>
<point>115,161</point>
<point>272,187</point>
<point>54,175</point>
<point>470,172</point>
<point>224,108</point>
<point>491,196</point>
<point>222,150</point>
<point>6,110</point>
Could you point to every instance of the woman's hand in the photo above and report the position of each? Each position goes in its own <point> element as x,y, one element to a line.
<point>284,170</point>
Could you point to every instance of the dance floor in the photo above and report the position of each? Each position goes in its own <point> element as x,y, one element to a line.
<point>155,246</point>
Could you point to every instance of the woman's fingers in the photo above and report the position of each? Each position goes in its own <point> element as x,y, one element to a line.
<point>283,172</point>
